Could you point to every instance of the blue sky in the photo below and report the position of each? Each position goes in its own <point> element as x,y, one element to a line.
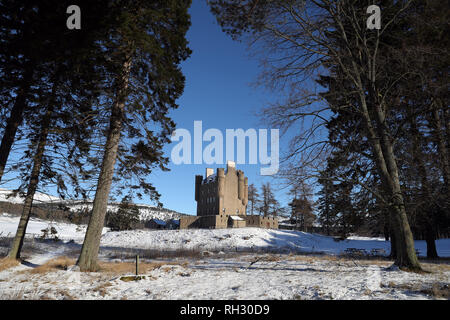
<point>218,92</point>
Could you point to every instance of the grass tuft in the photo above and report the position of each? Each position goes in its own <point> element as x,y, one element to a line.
<point>6,263</point>
<point>60,263</point>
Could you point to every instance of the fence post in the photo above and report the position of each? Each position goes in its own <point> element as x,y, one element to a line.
<point>137,264</point>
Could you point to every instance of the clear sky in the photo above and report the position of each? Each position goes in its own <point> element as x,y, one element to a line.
<point>218,92</point>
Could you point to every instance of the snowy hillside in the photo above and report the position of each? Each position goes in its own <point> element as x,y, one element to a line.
<point>66,231</point>
<point>5,196</point>
<point>248,239</point>
<point>146,212</point>
<point>252,239</point>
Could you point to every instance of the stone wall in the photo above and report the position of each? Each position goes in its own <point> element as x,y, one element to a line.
<point>208,222</point>
<point>261,222</point>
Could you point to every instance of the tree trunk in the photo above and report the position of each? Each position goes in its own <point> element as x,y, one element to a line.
<point>91,245</point>
<point>17,244</point>
<point>426,211</point>
<point>430,237</point>
<point>442,148</point>
<point>15,119</point>
<point>393,254</point>
<point>387,167</point>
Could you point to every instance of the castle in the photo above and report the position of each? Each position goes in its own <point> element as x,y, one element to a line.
<point>222,199</point>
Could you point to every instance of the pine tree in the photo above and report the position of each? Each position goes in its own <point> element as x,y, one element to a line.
<point>70,67</point>
<point>145,49</point>
<point>305,38</point>
<point>253,197</point>
<point>269,205</point>
<point>125,218</point>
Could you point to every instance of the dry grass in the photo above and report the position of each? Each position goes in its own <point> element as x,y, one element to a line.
<point>271,258</point>
<point>434,267</point>
<point>158,254</point>
<point>63,262</point>
<point>14,295</point>
<point>130,267</point>
<point>66,295</point>
<point>6,263</point>
<point>439,291</point>
<point>60,263</point>
<point>435,290</point>
<point>101,289</point>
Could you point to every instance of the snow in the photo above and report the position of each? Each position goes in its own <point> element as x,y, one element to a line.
<point>241,277</point>
<point>19,199</point>
<point>242,263</point>
<point>236,218</point>
<point>239,239</point>
<point>252,239</point>
<point>145,212</point>
<point>65,231</point>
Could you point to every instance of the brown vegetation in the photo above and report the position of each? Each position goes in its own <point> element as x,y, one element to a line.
<point>6,263</point>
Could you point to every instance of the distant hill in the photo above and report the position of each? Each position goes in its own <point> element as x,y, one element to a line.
<point>44,201</point>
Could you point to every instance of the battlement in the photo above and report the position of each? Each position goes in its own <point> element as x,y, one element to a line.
<point>222,199</point>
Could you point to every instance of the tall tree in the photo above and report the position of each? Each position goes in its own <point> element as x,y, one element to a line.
<point>70,67</point>
<point>307,38</point>
<point>269,205</point>
<point>146,47</point>
<point>253,197</point>
<point>21,41</point>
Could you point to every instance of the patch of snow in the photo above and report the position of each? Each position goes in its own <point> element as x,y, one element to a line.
<point>65,231</point>
<point>6,196</point>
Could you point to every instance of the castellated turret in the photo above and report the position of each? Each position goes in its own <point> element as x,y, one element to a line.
<point>223,193</point>
<point>222,199</point>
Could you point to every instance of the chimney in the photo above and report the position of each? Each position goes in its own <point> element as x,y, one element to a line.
<point>209,171</point>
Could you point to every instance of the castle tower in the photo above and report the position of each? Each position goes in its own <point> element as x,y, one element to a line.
<point>223,193</point>
<point>222,199</point>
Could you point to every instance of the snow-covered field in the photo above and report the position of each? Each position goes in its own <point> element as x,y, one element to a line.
<point>247,263</point>
<point>245,239</point>
<point>252,239</point>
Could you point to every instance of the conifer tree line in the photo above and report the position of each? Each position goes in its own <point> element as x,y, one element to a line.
<point>78,107</point>
<point>365,110</point>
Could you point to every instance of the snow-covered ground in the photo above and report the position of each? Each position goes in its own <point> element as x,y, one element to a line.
<point>65,231</point>
<point>247,263</point>
<point>252,239</point>
<point>243,239</point>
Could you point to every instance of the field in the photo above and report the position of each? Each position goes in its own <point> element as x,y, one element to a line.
<point>247,263</point>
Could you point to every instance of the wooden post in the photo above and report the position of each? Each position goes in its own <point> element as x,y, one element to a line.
<point>137,264</point>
